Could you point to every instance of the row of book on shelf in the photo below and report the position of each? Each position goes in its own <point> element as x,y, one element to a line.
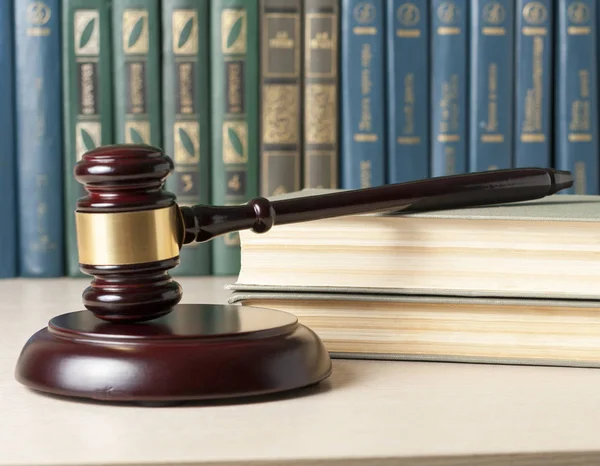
<point>265,97</point>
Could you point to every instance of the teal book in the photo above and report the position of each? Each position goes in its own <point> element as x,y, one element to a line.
<point>576,113</point>
<point>534,50</point>
<point>186,115</point>
<point>491,77</point>
<point>449,86</point>
<point>87,101</point>
<point>38,101</point>
<point>8,174</point>
<point>362,91</point>
<point>234,91</point>
<point>407,45</point>
<point>136,40</point>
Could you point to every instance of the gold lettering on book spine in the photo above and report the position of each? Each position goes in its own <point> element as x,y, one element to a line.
<point>233,31</point>
<point>185,32</point>
<point>235,142</point>
<point>280,114</point>
<point>136,39</point>
<point>320,114</point>
<point>535,15</point>
<point>580,122</point>
<point>86,32</point>
<point>38,16</point>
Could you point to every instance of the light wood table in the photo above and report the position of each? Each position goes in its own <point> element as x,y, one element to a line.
<point>366,413</point>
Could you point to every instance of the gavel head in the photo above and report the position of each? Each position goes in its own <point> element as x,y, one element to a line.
<point>129,232</point>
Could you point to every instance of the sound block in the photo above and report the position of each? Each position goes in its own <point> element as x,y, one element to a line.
<point>196,352</point>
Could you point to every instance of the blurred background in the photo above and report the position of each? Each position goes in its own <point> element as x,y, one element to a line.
<point>266,97</point>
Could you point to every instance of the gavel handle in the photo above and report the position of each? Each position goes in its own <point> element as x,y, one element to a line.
<point>204,222</point>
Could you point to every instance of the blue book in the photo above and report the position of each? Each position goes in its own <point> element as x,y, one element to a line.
<point>39,137</point>
<point>576,116</point>
<point>407,34</point>
<point>533,83</point>
<point>362,90</point>
<point>8,186</point>
<point>449,80</point>
<point>491,85</point>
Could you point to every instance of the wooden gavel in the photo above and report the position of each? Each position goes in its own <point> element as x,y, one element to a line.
<point>130,230</point>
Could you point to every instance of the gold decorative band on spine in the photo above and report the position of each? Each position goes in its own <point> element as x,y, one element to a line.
<point>122,238</point>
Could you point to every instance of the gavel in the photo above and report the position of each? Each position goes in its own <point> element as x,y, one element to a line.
<point>136,342</point>
<point>130,230</point>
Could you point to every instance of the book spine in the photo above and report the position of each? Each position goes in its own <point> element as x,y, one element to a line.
<point>38,104</point>
<point>407,34</point>
<point>137,86</point>
<point>321,94</point>
<point>576,94</point>
<point>8,174</point>
<point>449,78</point>
<point>491,85</point>
<point>280,96</point>
<point>362,94</point>
<point>234,115</point>
<point>87,98</point>
<point>185,115</point>
<point>533,86</point>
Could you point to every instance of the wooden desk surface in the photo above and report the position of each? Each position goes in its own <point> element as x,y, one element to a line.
<point>367,413</point>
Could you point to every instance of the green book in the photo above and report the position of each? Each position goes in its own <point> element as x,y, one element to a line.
<point>185,118</point>
<point>234,112</point>
<point>136,46</point>
<point>87,99</point>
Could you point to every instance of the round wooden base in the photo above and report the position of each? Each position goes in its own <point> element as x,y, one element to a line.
<point>196,352</point>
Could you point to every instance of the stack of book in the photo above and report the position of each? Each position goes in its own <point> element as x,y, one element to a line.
<point>514,283</point>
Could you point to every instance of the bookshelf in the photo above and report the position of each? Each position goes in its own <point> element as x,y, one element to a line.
<point>271,96</point>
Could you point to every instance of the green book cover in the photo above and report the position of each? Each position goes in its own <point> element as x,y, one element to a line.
<point>136,46</point>
<point>234,112</point>
<point>185,118</point>
<point>87,99</point>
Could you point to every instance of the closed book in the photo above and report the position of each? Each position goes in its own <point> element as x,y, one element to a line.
<point>280,96</point>
<point>491,86</point>
<point>407,44</point>
<point>362,88</point>
<point>320,148</point>
<point>39,133</point>
<point>87,100</point>
<point>234,95</point>
<point>449,86</point>
<point>8,174</point>
<point>576,94</point>
<point>534,51</point>
<point>545,332</point>
<point>136,66</point>
<point>185,115</point>
<point>545,248</point>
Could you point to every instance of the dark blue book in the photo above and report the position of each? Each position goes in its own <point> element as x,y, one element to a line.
<point>407,31</point>
<point>491,84</point>
<point>449,80</point>
<point>533,83</point>
<point>362,89</point>
<point>576,116</point>
<point>39,137</point>
<point>8,186</point>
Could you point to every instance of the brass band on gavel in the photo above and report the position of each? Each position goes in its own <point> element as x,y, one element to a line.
<point>121,238</point>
